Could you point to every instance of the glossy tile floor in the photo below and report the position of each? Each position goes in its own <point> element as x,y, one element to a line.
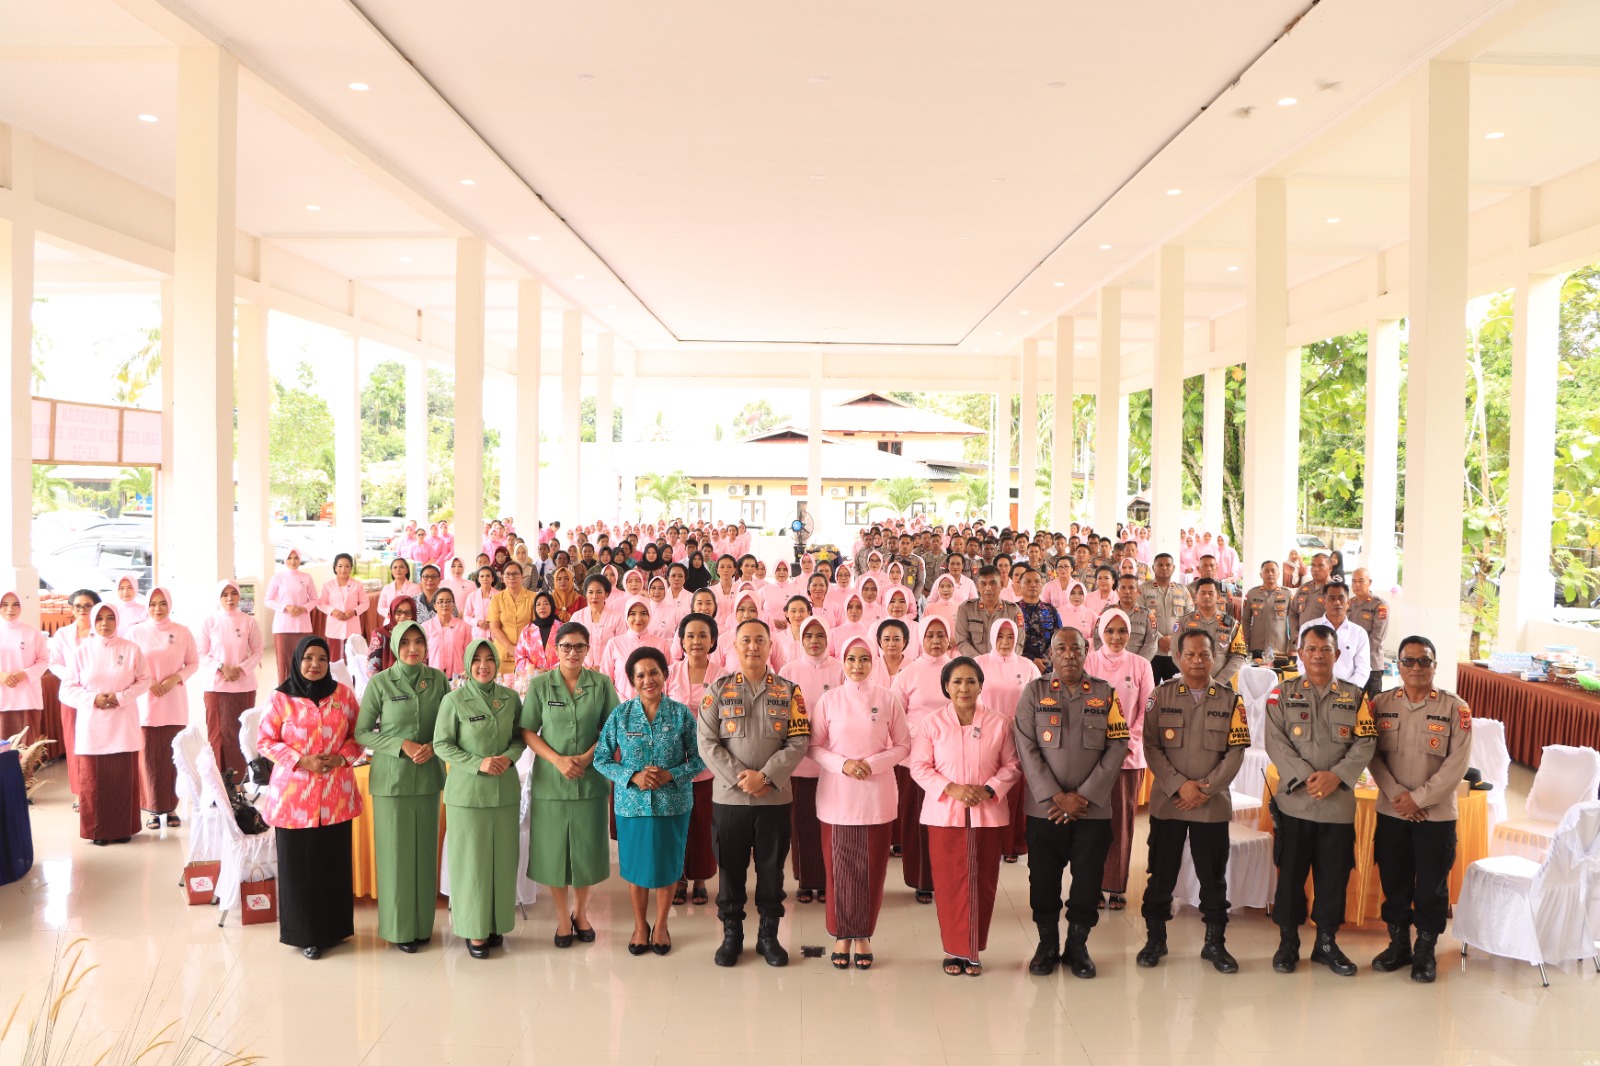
<point>238,988</point>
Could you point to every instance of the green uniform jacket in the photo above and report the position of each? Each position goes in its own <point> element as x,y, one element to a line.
<point>391,712</point>
<point>570,724</point>
<point>473,727</point>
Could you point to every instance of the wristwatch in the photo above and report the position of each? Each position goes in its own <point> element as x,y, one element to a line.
<point>989,789</point>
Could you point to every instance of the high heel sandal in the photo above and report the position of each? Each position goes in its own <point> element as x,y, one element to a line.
<point>805,895</point>
<point>153,822</point>
<point>953,967</point>
<point>680,895</point>
<point>700,898</point>
<point>840,960</point>
<point>924,897</point>
<point>863,960</point>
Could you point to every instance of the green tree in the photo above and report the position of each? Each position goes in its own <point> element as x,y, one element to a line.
<point>1191,453</point>
<point>668,490</point>
<point>757,416</point>
<point>973,493</point>
<point>138,370</point>
<point>383,445</point>
<point>899,493</point>
<point>133,481</point>
<point>588,411</point>
<point>300,456</point>
<point>48,488</point>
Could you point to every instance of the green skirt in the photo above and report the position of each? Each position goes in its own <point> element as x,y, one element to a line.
<point>482,848</point>
<point>405,836</point>
<point>569,842</point>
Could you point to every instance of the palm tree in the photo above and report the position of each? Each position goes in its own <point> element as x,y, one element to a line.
<point>668,490</point>
<point>974,493</point>
<point>899,493</point>
<point>134,481</point>
<point>48,488</point>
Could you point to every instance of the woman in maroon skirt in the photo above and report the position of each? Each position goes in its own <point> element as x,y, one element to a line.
<point>686,683</point>
<point>107,676</point>
<point>24,657</point>
<point>170,651</point>
<point>919,689</point>
<point>63,646</point>
<point>229,643</point>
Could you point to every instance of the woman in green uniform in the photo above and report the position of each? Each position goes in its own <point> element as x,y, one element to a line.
<point>570,844</point>
<point>477,735</point>
<point>398,712</point>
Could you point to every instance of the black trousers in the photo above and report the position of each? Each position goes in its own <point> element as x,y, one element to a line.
<point>1163,668</point>
<point>1326,851</point>
<point>1081,844</point>
<point>737,833</point>
<point>1414,861</point>
<point>1208,843</point>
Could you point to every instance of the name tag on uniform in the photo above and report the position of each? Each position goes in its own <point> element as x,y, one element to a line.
<point>631,733</point>
<point>555,703</point>
<point>479,718</point>
<point>397,699</point>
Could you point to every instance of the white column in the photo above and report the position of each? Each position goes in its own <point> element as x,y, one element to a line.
<point>1166,403</point>
<point>16,312</point>
<point>1211,441</point>
<point>346,403</point>
<point>471,268</point>
<point>167,503</point>
<point>525,427</point>
<point>255,415</point>
<point>417,467</point>
<point>1381,473</point>
<point>1000,467</point>
<point>604,476</point>
<point>203,323</point>
<point>1527,592</point>
<point>1028,435</point>
<point>1062,458</point>
<point>1436,386</point>
<point>814,501</point>
<point>1110,436</point>
<point>627,469</point>
<point>1272,381</point>
<point>571,416</point>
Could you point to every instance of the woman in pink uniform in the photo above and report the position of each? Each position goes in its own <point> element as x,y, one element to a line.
<point>942,602</point>
<point>447,636</point>
<point>1005,673</point>
<point>919,690</point>
<point>475,609</point>
<point>107,676</point>
<point>229,643</point>
<point>170,651</point>
<point>130,612</point>
<point>400,584</point>
<point>63,645</point>
<point>858,736</point>
<point>817,672</point>
<point>795,613</point>
<point>966,762</point>
<point>344,602</point>
<point>291,595</point>
<point>686,683</point>
<point>24,657</point>
<point>1131,676</point>
<point>636,634</point>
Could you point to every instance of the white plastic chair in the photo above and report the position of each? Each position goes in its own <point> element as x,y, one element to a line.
<point>1492,758</point>
<point>527,889</point>
<point>1252,777</point>
<point>1538,912</point>
<point>241,854</point>
<point>250,746</point>
<point>355,657</point>
<point>1567,776</point>
<point>1255,685</point>
<point>1250,870</point>
<point>206,836</point>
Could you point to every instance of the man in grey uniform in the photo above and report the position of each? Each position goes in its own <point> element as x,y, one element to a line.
<point>1227,636</point>
<point>753,732</point>
<point>1306,603</point>
<point>1371,613</point>
<point>1320,736</point>
<point>1071,739</point>
<point>1266,617</point>
<point>1195,733</point>
<point>975,618</point>
<point>1168,601</point>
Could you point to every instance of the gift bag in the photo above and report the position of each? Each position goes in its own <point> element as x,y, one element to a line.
<point>258,899</point>
<point>200,881</point>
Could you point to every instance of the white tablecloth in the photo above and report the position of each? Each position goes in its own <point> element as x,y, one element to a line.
<point>1250,872</point>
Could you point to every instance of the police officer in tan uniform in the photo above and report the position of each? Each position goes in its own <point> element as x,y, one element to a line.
<point>1195,733</point>
<point>1226,634</point>
<point>1372,614</point>
<point>1320,736</point>
<point>1071,739</point>
<point>1141,622</point>
<point>1307,604</point>
<point>1266,617</point>
<point>1424,744</point>
<point>753,733</point>
<point>1168,601</point>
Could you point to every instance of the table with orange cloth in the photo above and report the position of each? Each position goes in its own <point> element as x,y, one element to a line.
<point>363,852</point>
<point>1365,896</point>
<point>1535,713</point>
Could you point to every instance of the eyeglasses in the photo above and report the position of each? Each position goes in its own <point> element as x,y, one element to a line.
<point>571,649</point>
<point>1412,662</point>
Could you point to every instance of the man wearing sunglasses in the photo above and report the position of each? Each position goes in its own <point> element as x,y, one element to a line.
<point>1424,743</point>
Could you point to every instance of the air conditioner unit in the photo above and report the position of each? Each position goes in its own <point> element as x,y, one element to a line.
<point>836,492</point>
<point>738,490</point>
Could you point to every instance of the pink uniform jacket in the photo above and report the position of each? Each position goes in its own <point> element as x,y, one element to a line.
<point>858,720</point>
<point>393,591</point>
<point>228,638</point>
<point>293,727</point>
<point>447,647</point>
<point>351,597</point>
<point>1134,682</point>
<point>983,753</point>
<point>291,588</point>
<point>1005,675</point>
<point>112,665</point>
<point>689,693</point>
<point>816,678</point>
<point>23,649</point>
<point>169,649</point>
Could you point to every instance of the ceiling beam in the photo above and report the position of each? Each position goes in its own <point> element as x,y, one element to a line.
<point>61,53</point>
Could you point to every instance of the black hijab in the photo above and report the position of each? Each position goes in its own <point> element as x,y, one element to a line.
<point>544,625</point>
<point>698,577</point>
<point>297,685</point>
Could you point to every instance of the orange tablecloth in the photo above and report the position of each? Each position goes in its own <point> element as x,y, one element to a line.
<point>1365,896</point>
<point>363,853</point>
<point>1535,713</point>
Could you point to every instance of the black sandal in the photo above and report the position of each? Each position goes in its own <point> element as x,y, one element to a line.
<point>863,960</point>
<point>840,960</point>
<point>700,898</point>
<point>822,895</point>
<point>1008,858</point>
<point>924,897</point>
<point>1118,902</point>
<point>805,895</point>
<point>954,967</point>
<point>680,895</point>
<point>972,969</point>
<point>174,822</point>
<point>153,822</point>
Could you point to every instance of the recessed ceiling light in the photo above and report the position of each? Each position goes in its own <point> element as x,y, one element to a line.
<point>1287,101</point>
<point>148,118</point>
<point>999,332</point>
<point>1231,269</point>
<point>1055,85</point>
<point>577,277</point>
<point>1105,247</point>
<point>468,181</point>
<point>534,237</point>
<point>1174,192</point>
<point>359,86</point>
<point>1059,284</point>
<point>313,207</point>
<point>1022,312</point>
<point>818,79</point>
<point>405,259</point>
<point>586,77</point>
<point>1333,221</point>
<point>999,180</point>
<point>1495,136</point>
<point>819,177</point>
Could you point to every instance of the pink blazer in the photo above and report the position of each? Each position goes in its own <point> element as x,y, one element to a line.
<point>291,588</point>
<point>169,649</point>
<point>228,640</point>
<point>353,598</point>
<point>293,727</point>
<point>24,650</point>
<point>116,666</point>
<point>858,720</point>
<point>983,753</point>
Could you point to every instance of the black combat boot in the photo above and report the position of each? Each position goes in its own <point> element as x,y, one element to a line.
<point>1328,952</point>
<point>1398,953</point>
<point>1424,967</point>
<point>1287,957</point>
<point>1048,953</point>
<point>1155,943</point>
<point>732,943</point>
<point>1077,952</point>
<point>1216,948</point>
<point>767,945</point>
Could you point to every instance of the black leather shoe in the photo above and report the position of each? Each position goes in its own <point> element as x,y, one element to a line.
<point>1048,953</point>
<point>566,941</point>
<point>1215,950</point>
<point>311,953</point>
<point>1076,954</point>
<point>767,945</point>
<point>1398,953</point>
<point>1287,957</point>
<point>478,951</point>
<point>585,936</point>
<point>409,947</point>
<point>1424,966</point>
<point>732,944</point>
<point>494,940</point>
<point>640,949</point>
<point>1155,945</point>
<point>1328,953</point>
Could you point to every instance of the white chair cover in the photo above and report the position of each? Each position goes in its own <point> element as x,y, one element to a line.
<point>243,857</point>
<point>1252,777</point>
<point>1537,912</point>
<point>1493,760</point>
<point>1566,777</point>
<point>1250,871</point>
<point>1246,809</point>
<point>355,660</point>
<point>1255,685</point>
<point>250,745</point>
<point>527,890</point>
<point>207,839</point>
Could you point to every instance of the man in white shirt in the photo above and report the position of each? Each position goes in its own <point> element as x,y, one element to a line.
<point>1352,665</point>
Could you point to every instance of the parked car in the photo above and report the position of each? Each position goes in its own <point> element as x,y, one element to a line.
<point>99,562</point>
<point>1307,540</point>
<point>379,530</point>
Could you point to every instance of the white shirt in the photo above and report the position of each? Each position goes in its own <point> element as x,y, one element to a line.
<point>1355,651</point>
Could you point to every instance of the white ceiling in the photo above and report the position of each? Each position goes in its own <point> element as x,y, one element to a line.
<point>711,172</point>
